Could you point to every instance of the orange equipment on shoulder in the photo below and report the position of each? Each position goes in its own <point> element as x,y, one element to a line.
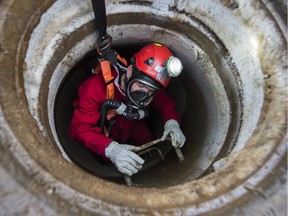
<point>104,66</point>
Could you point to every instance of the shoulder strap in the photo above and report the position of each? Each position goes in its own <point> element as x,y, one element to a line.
<point>108,78</point>
<point>105,67</point>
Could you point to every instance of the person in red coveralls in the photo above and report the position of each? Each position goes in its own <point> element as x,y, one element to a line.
<point>138,86</point>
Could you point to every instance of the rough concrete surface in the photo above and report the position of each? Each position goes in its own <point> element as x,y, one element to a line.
<point>249,181</point>
<point>15,200</point>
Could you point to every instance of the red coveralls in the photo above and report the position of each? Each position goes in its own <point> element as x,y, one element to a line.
<point>91,95</point>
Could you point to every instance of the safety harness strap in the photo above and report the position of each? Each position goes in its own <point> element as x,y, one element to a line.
<point>122,60</point>
<point>105,67</point>
<point>107,75</point>
<point>100,18</point>
<point>106,55</point>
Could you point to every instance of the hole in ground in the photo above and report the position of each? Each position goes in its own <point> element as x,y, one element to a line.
<point>190,105</point>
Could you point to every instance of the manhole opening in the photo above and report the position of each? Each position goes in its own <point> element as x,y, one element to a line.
<point>191,106</point>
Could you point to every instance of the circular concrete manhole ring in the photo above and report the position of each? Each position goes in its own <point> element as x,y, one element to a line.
<point>236,54</point>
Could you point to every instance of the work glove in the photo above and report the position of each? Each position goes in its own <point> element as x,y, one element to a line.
<point>172,129</point>
<point>125,160</point>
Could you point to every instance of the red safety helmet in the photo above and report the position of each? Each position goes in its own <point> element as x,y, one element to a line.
<point>158,62</point>
<point>153,65</point>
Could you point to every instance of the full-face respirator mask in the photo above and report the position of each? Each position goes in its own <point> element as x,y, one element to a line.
<point>153,66</point>
<point>140,99</point>
<point>137,100</point>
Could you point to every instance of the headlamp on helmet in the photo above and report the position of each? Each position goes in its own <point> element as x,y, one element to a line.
<point>153,65</point>
<point>158,62</point>
<point>174,66</point>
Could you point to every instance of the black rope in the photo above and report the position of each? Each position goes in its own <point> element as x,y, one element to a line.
<point>100,18</point>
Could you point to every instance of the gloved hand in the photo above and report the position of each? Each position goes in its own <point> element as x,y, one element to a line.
<point>125,160</point>
<point>172,129</point>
